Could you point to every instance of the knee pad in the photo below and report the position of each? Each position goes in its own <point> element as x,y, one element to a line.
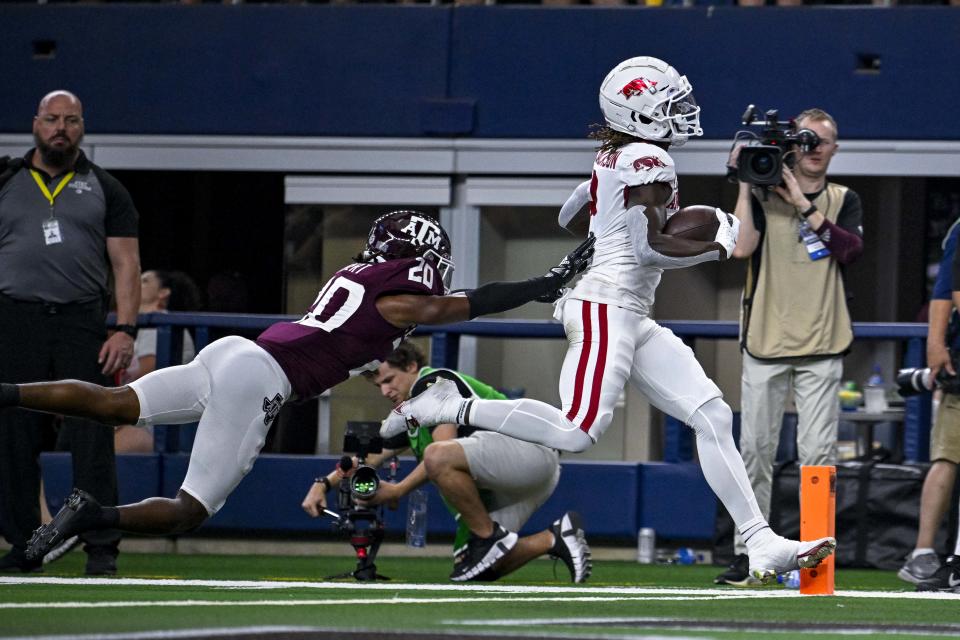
<point>712,417</point>
<point>573,440</point>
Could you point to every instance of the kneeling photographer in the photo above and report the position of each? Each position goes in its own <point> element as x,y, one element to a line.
<point>798,230</point>
<point>492,481</point>
<point>923,566</point>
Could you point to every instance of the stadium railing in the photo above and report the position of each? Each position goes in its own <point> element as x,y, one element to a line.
<point>445,342</point>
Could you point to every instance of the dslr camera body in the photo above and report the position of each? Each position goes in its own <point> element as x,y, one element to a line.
<point>761,161</point>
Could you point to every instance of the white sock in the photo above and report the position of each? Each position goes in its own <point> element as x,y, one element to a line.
<point>921,551</point>
<point>529,420</point>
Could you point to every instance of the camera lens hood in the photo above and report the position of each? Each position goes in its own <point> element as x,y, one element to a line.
<point>364,482</point>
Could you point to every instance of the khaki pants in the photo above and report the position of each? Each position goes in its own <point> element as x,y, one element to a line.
<point>764,388</point>
<point>945,436</point>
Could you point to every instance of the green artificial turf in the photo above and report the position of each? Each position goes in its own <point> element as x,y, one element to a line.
<point>349,607</point>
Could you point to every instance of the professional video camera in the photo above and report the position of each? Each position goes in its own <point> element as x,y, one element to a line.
<point>761,161</point>
<point>364,524</point>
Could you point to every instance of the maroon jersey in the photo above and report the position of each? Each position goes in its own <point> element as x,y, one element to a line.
<point>343,334</point>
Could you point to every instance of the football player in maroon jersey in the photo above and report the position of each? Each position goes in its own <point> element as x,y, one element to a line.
<point>235,387</point>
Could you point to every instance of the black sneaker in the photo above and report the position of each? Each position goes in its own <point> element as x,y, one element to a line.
<point>15,561</point>
<point>482,553</point>
<point>101,561</point>
<point>570,546</point>
<point>738,573</point>
<point>946,578</point>
<point>80,512</point>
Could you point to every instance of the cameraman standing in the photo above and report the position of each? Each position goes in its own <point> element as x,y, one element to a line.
<point>795,326</point>
<point>923,565</point>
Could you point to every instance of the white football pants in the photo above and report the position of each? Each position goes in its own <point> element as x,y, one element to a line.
<point>608,346</point>
<point>234,389</point>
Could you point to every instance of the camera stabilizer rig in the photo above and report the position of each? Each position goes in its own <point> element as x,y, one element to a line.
<point>365,525</point>
<point>761,161</point>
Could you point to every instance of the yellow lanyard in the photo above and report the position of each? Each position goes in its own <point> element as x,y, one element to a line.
<point>46,192</point>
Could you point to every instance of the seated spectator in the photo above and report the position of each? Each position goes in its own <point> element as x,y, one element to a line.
<point>160,291</point>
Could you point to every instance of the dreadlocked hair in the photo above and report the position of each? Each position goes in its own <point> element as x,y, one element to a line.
<point>610,139</point>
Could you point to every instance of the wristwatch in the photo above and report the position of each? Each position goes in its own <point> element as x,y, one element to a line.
<point>129,329</point>
<point>325,481</point>
<point>806,213</point>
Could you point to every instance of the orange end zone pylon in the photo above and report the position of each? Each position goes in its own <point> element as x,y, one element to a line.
<point>818,508</point>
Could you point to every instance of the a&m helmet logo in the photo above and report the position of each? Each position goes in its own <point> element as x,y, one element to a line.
<point>422,231</point>
<point>637,86</point>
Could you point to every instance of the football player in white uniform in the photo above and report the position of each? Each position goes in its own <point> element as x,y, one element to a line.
<point>648,107</point>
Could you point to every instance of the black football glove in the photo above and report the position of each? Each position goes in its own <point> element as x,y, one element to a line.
<point>571,265</point>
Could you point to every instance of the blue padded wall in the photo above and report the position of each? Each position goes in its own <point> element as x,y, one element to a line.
<point>138,477</point>
<point>488,72</point>
<point>675,501</point>
<point>272,70</point>
<point>614,498</point>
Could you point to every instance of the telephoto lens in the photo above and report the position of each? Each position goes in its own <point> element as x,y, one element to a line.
<point>910,382</point>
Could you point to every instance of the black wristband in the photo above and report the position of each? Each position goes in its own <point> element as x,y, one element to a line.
<point>806,213</point>
<point>129,329</point>
<point>325,481</point>
<point>9,395</point>
<point>495,297</point>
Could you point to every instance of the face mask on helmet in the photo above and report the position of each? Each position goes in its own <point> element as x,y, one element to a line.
<point>410,234</point>
<point>647,98</point>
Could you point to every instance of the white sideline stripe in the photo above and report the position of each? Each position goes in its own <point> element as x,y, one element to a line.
<point>487,588</point>
<point>217,632</point>
<point>235,632</point>
<point>296,603</point>
<point>692,625</point>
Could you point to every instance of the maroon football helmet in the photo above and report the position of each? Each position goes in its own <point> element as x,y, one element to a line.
<point>408,234</point>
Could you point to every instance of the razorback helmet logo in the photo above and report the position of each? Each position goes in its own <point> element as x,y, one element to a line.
<point>648,162</point>
<point>637,86</point>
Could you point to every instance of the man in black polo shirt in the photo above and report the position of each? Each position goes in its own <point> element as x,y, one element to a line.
<point>65,225</point>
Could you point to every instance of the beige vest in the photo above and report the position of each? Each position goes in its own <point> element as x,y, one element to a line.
<point>794,306</point>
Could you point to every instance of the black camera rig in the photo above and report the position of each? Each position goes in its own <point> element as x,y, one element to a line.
<point>363,524</point>
<point>761,161</point>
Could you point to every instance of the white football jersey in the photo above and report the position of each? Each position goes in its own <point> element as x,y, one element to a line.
<point>615,277</point>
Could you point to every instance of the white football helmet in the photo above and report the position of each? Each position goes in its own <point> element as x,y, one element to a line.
<point>647,98</point>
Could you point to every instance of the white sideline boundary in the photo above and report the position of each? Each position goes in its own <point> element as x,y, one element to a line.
<point>139,604</point>
<point>725,593</point>
<point>232,633</point>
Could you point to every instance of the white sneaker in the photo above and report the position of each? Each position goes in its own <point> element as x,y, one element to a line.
<point>437,405</point>
<point>780,555</point>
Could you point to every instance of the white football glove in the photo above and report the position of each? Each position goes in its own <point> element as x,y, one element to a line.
<point>728,231</point>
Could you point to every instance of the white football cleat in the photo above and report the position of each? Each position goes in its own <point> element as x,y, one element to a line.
<point>393,425</point>
<point>780,555</point>
<point>439,404</point>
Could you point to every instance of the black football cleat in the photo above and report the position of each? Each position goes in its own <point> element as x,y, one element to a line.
<point>80,512</point>
<point>15,561</point>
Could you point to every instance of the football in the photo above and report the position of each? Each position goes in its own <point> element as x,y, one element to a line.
<point>696,222</point>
